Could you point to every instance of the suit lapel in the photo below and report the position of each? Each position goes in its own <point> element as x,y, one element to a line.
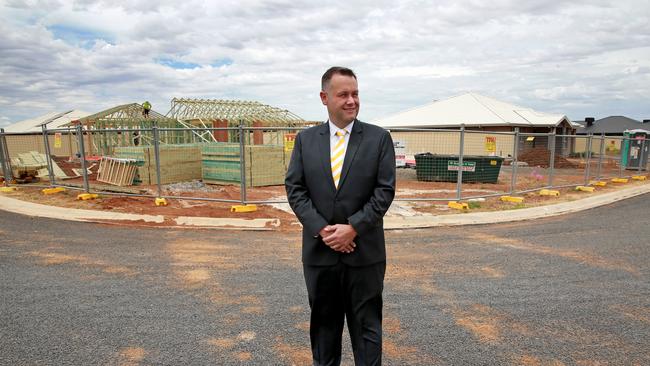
<point>324,153</point>
<point>353,145</point>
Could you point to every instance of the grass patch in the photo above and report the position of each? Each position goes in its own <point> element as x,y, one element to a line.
<point>473,205</point>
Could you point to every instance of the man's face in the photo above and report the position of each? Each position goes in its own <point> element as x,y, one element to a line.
<point>342,99</point>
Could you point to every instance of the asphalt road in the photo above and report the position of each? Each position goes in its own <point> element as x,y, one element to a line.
<point>570,290</point>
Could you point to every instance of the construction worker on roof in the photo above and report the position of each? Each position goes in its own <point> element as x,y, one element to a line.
<point>146,108</point>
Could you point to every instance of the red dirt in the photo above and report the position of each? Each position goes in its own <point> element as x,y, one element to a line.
<point>541,157</point>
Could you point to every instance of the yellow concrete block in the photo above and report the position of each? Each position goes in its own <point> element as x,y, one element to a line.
<point>243,208</point>
<point>598,183</point>
<point>87,196</point>
<point>639,177</point>
<point>585,189</point>
<point>548,192</point>
<point>512,199</point>
<point>7,189</point>
<point>53,190</point>
<point>619,180</point>
<point>161,201</point>
<point>458,205</point>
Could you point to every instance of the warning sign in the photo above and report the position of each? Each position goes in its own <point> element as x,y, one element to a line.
<point>57,140</point>
<point>491,145</point>
<point>289,141</point>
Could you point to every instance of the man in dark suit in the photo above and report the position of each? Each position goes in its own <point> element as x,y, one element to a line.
<point>340,183</point>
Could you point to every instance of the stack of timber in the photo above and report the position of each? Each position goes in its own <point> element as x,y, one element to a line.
<point>28,166</point>
<point>265,165</point>
<point>119,172</point>
<point>178,163</point>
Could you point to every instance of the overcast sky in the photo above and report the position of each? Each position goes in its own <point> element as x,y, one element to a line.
<point>578,58</point>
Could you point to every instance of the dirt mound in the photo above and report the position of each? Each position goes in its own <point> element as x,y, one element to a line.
<point>541,157</point>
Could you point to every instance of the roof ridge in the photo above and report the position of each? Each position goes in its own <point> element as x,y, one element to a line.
<point>490,109</point>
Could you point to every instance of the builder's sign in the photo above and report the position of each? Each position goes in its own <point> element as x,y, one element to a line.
<point>468,166</point>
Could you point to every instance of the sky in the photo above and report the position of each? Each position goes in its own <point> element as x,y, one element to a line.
<point>577,58</point>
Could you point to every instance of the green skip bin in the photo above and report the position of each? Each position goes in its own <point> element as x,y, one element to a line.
<point>444,168</point>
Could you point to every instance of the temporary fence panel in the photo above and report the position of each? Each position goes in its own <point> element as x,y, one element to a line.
<point>418,178</point>
<point>483,168</point>
<point>61,143</point>
<point>447,142</point>
<point>607,157</point>
<point>28,156</point>
<point>178,163</point>
<point>568,167</point>
<point>263,165</point>
<point>536,156</point>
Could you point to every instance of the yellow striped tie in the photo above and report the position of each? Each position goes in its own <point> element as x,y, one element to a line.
<point>337,155</point>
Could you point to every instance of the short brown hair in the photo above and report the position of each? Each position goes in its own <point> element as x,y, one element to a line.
<point>327,76</point>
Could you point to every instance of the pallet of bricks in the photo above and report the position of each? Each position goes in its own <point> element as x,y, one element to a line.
<point>119,172</point>
<point>178,163</point>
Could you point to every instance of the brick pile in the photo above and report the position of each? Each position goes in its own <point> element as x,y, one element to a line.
<point>541,157</point>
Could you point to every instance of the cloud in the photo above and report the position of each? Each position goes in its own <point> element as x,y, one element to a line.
<point>573,57</point>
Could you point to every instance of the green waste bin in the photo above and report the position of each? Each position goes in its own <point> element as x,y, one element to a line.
<point>444,168</point>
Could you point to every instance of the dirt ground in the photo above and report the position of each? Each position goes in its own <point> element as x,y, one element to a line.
<point>413,197</point>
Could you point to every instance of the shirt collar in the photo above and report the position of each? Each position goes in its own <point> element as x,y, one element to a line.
<point>334,128</point>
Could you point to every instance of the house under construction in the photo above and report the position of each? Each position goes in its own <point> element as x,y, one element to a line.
<point>197,139</point>
<point>222,114</point>
<point>188,121</point>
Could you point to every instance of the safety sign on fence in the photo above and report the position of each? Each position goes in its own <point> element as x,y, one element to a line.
<point>491,145</point>
<point>57,140</point>
<point>289,141</point>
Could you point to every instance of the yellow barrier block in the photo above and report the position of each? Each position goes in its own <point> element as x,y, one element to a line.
<point>598,183</point>
<point>639,177</point>
<point>585,189</point>
<point>53,190</point>
<point>619,180</point>
<point>7,189</point>
<point>87,196</point>
<point>548,192</point>
<point>243,208</point>
<point>161,201</point>
<point>512,199</point>
<point>457,205</point>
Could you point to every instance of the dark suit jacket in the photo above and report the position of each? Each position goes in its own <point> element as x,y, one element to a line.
<point>366,190</point>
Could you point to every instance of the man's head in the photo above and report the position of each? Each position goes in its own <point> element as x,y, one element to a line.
<point>340,93</point>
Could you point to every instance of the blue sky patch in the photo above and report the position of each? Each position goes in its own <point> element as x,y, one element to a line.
<point>84,38</point>
<point>175,64</point>
<point>222,62</point>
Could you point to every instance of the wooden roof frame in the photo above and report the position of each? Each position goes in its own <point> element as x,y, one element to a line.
<point>125,115</point>
<point>236,112</point>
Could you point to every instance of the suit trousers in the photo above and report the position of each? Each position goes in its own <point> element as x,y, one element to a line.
<point>354,293</point>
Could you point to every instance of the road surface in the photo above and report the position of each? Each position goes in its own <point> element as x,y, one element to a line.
<point>569,290</point>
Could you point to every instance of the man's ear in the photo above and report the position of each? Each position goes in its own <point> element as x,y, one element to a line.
<point>323,97</point>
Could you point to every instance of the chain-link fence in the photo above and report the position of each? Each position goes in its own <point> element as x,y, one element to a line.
<point>247,164</point>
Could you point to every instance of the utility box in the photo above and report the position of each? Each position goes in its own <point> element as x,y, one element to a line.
<point>444,168</point>
<point>635,149</point>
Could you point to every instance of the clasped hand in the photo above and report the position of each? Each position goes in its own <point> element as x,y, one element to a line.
<point>339,237</point>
